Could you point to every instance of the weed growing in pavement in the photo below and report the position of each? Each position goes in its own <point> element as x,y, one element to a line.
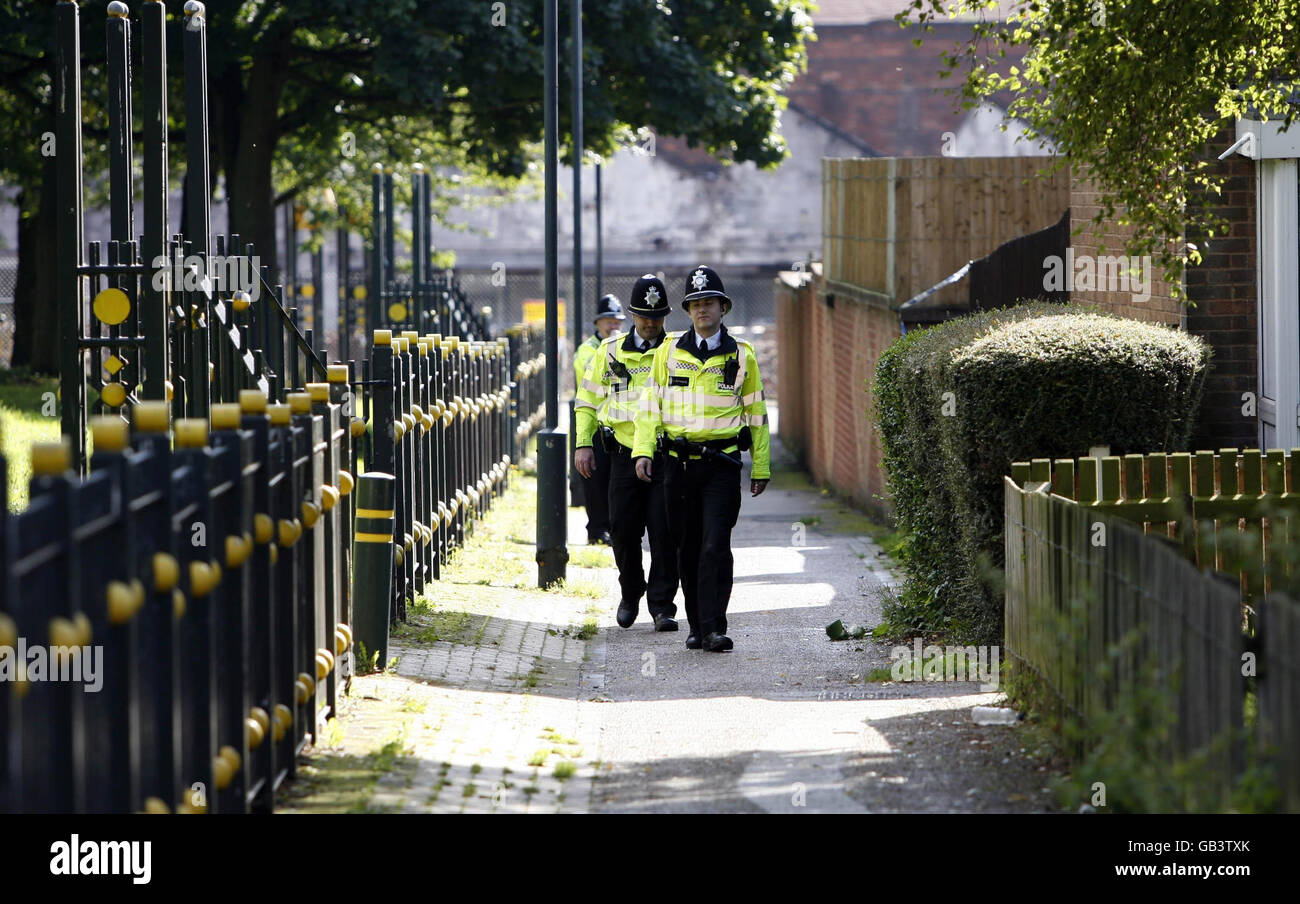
<point>591,557</point>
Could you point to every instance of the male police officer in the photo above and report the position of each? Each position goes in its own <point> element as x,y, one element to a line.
<point>609,314</point>
<point>610,394</point>
<point>704,404</point>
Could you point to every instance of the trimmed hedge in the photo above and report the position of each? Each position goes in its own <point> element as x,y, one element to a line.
<point>1035,381</point>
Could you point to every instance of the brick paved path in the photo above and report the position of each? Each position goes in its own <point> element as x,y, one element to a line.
<point>498,703</point>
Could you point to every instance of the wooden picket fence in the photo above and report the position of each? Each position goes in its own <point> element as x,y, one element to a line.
<point>1111,593</point>
<point>1225,509</point>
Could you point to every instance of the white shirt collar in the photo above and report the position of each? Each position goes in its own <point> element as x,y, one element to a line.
<point>711,343</point>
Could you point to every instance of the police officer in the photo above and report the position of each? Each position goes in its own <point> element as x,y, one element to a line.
<point>609,398</point>
<point>703,405</point>
<point>609,315</point>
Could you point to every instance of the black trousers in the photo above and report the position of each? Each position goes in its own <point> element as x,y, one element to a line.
<point>703,500</point>
<point>596,491</point>
<point>637,507</point>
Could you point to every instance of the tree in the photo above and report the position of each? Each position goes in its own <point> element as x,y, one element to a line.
<point>27,166</point>
<point>295,85</point>
<point>1133,90</point>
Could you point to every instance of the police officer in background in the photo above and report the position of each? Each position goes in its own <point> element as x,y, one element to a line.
<point>609,399</point>
<point>703,405</point>
<point>609,316</point>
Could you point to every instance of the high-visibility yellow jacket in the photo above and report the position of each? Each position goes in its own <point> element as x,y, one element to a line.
<point>607,397</point>
<point>687,395</point>
<point>582,357</point>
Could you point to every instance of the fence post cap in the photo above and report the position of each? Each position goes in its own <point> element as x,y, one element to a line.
<point>118,10</point>
<point>383,337</point>
<point>51,459</point>
<point>252,401</point>
<point>279,415</point>
<point>109,433</point>
<point>225,416</point>
<point>191,433</point>
<point>337,373</point>
<point>319,392</point>
<point>300,402</point>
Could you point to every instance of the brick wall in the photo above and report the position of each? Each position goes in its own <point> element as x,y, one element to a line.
<point>1221,290</point>
<point>1107,239</point>
<point>1223,294</point>
<point>874,83</point>
<point>830,343</point>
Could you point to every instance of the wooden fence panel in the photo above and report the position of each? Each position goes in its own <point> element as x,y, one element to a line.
<point>1178,629</point>
<point>1279,692</point>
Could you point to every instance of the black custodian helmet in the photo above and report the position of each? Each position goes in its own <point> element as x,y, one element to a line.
<point>610,306</point>
<point>649,297</point>
<point>703,282</point>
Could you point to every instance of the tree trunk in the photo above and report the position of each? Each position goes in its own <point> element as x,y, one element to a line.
<point>36,314</point>
<point>248,157</point>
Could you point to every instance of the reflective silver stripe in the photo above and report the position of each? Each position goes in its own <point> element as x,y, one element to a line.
<point>708,399</point>
<point>597,389</point>
<point>583,404</point>
<point>680,420</point>
<point>757,420</point>
<point>753,397</point>
<point>699,422</point>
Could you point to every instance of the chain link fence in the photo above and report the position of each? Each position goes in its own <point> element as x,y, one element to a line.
<point>8,279</point>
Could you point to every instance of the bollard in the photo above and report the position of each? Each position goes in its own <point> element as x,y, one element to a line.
<point>552,528</point>
<point>372,576</point>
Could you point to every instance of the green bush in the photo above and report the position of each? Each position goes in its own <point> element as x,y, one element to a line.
<point>958,402</point>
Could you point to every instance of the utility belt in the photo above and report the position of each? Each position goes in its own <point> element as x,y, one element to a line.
<point>609,441</point>
<point>707,450</point>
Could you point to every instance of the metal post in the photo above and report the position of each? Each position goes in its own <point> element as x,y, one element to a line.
<point>576,37</point>
<point>318,295</point>
<point>390,254</point>
<point>427,276</point>
<point>122,226</point>
<point>72,370</point>
<point>198,186</point>
<point>600,239</point>
<point>416,315</point>
<point>377,244</point>
<point>290,255</point>
<point>552,552</point>
<point>153,95</point>
<point>345,295</point>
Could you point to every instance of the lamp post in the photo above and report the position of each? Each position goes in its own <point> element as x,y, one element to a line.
<point>576,27</point>
<point>552,444</point>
